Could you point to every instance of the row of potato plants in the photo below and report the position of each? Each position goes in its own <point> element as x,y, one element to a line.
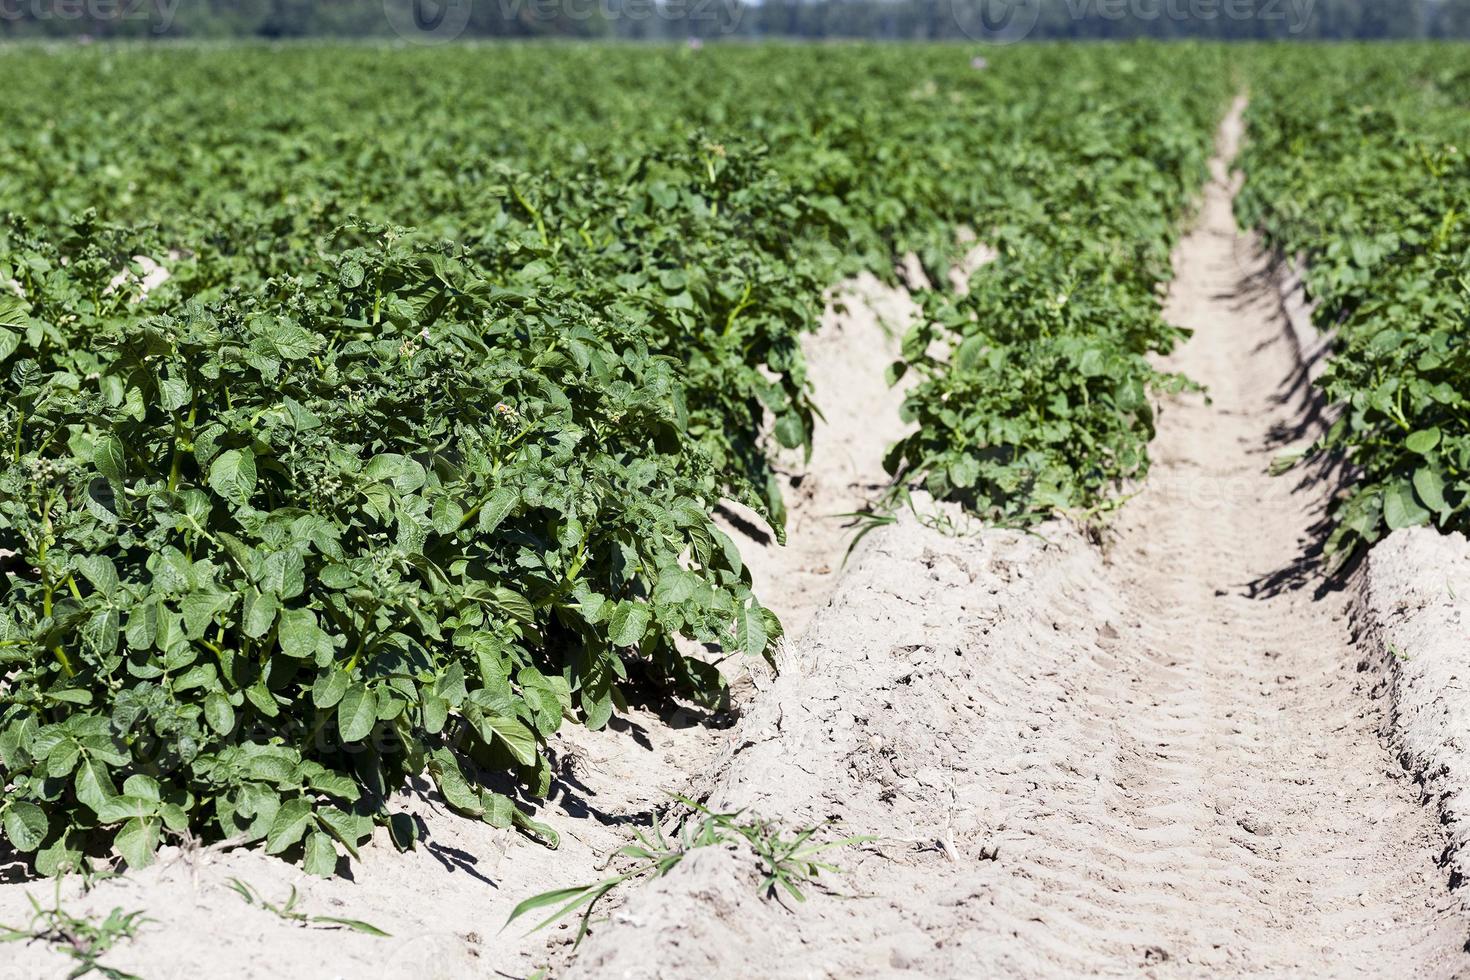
<point>1034,390</point>
<point>1356,169</point>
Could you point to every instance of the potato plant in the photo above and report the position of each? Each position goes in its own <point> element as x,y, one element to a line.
<point>280,552</point>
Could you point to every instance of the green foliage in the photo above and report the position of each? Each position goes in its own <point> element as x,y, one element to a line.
<point>277,553</point>
<point>1043,404</point>
<point>696,250</point>
<point>1359,172</point>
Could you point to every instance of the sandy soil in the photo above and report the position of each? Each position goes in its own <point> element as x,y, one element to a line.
<point>153,275</point>
<point>1163,761</point>
<point>1265,742</point>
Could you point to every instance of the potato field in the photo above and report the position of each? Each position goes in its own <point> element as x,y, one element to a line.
<point>845,510</point>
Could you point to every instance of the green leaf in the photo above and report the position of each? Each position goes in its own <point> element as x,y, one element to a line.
<point>498,810</point>
<point>549,837</point>
<point>597,700</point>
<point>137,841</point>
<point>25,826</point>
<point>61,856</point>
<point>569,899</point>
<point>403,830</point>
<point>284,573</point>
<point>1400,509</point>
<point>143,787</point>
<point>14,311</point>
<point>1423,441</point>
<point>321,855</point>
<point>351,275</point>
<point>265,702</point>
<point>546,708</point>
<point>1429,485</point>
<point>516,737</point>
<point>293,343</point>
<point>457,792</point>
<point>219,713</point>
<point>356,925</point>
<point>329,688</point>
<point>289,825</point>
<point>260,613</point>
<point>110,459</point>
<point>299,636</point>
<point>435,713</point>
<point>513,604</point>
<point>750,628</point>
<point>173,394</point>
<point>1092,363</point>
<point>964,471</point>
<point>405,474</point>
<point>497,508</point>
<point>142,628</point>
<point>347,829</point>
<point>357,713</point>
<point>232,476</point>
<point>62,758</point>
<point>93,784</point>
<point>447,515</point>
<point>450,684</point>
<point>629,622</point>
<point>175,817</point>
<point>199,610</point>
<point>790,432</point>
<point>118,809</point>
<point>99,571</point>
<point>101,631</point>
<point>335,784</point>
<point>101,501</point>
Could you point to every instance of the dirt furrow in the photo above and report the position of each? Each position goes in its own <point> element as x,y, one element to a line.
<point>858,339</point>
<point>1254,823</point>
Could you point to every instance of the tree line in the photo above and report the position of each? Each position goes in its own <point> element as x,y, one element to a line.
<point>981,20</point>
